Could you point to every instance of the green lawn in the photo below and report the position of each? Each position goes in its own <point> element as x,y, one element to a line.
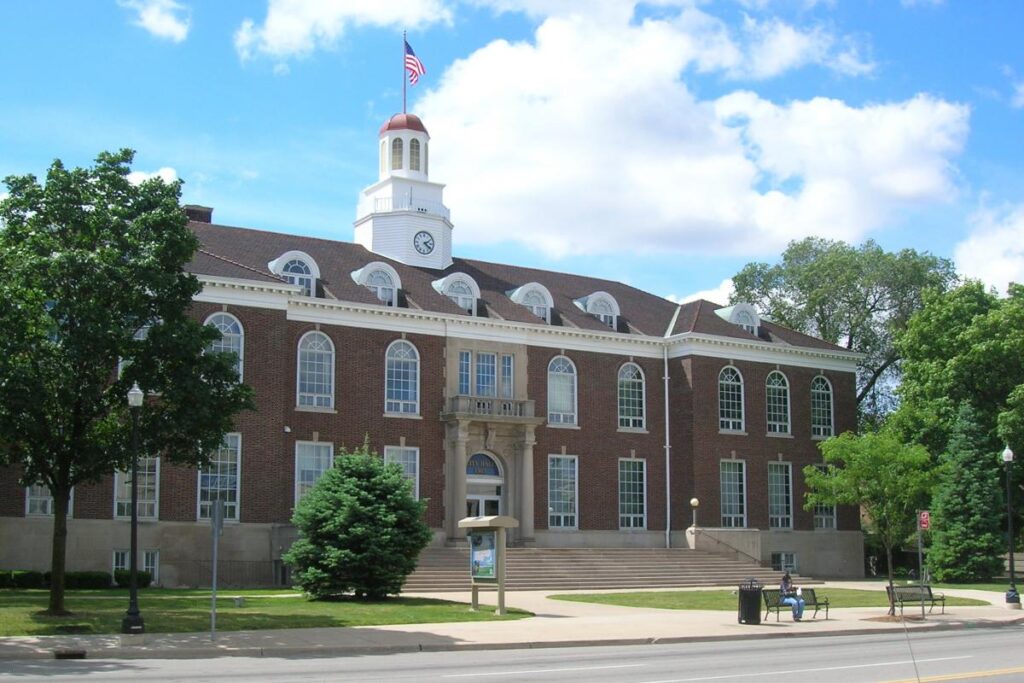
<point>726,599</point>
<point>182,611</point>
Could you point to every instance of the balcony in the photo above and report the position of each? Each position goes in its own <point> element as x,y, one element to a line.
<point>490,408</point>
<point>412,204</point>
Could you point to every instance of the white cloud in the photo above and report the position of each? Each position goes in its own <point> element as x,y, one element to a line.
<point>540,143</point>
<point>1017,99</point>
<point>718,295</point>
<point>774,47</point>
<point>167,174</point>
<point>994,250</point>
<point>297,27</point>
<point>162,18</point>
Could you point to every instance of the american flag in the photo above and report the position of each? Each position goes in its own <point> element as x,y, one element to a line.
<point>413,65</point>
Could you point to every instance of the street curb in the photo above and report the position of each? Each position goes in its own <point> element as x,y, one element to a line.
<point>363,650</point>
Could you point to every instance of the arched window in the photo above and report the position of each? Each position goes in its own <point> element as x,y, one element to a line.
<point>745,320</point>
<point>602,309</point>
<point>631,396</point>
<point>730,400</point>
<point>381,284</point>
<point>396,153</point>
<point>538,306</point>
<point>561,391</point>
<point>535,297</point>
<point>414,155</point>
<point>777,402</point>
<point>231,338</point>
<point>461,293</point>
<point>316,371</point>
<point>298,272</point>
<point>402,380</point>
<point>821,408</point>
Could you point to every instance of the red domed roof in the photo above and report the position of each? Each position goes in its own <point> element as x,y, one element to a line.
<point>403,122</point>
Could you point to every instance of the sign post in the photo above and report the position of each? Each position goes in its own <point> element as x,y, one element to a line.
<point>924,523</point>
<point>216,529</point>
<point>487,554</point>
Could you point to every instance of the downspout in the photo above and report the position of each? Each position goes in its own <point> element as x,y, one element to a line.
<point>668,450</point>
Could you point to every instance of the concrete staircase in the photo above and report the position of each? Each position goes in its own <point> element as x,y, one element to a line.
<point>447,569</point>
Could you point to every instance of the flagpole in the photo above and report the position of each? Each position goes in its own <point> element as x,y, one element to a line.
<point>403,71</point>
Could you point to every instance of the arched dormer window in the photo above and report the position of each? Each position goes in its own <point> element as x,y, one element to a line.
<point>461,289</point>
<point>396,154</point>
<point>535,297</point>
<point>232,338</point>
<point>821,408</point>
<point>381,279</point>
<point>777,403</point>
<point>742,315</point>
<point>297,268</point>
<point>730,400</point>
<point>602,306</point>
<point>561,391</point>
<point>402,381</point>
<point>414,155</point>
<point>631,397</point>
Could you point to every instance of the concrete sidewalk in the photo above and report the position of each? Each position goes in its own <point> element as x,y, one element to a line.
<point>557,623</point>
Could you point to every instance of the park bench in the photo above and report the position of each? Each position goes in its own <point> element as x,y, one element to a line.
<point>773,602</point>
<point>915,595</point>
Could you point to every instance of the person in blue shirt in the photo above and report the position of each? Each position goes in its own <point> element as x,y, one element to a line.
<point>791,596</point>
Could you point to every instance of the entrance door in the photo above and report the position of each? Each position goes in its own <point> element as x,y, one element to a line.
<point>483,506</point>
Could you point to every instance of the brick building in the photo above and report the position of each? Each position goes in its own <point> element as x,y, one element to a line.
<point>590,410</point>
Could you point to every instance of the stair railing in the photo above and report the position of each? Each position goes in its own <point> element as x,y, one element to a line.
<point>711,536</point>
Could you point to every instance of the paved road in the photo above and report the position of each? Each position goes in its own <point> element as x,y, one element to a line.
<point>991,655</point>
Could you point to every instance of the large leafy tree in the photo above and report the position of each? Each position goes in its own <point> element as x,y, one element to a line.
<point>888,479</point>
<point>360,530</point>
<point>90,259</point>
<point>966,541</point>
<point>857,297</point>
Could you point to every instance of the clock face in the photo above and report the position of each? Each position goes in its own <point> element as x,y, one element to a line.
<point>424,242</point>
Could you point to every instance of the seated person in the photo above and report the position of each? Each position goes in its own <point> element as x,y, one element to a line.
<point>791,596</point>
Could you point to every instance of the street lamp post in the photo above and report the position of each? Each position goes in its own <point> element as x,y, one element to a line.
<point>1012,596</point>
<point>694,503</point>
<point>132,622</point>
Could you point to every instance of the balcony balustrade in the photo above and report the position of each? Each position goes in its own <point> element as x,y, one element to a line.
<point>413,204</point>
<point>490,407</point>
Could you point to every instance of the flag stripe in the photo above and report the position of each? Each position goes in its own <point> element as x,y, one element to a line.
<point>413,65</point>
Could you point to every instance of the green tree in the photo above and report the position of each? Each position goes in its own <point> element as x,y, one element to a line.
<point>857,297</point>
<point>966,541</point>
<point>360,529</point>
<point>889,480</point>
<point>89,260</point>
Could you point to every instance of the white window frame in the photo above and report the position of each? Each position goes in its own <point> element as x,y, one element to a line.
<point>400,455</point>
<point>123,506</point>
<point>232,510</point>
<point>484,370</point>
<point>632,521</point>
<point>465,373</point>
<point>729,519</point>
<point>308,287</point>
<point>392,404</point>
<point>32,494</point>
<point>729,423</point>
<point>784,561</point>
<point>602,306</point>
<point>312,400</point>
<point>318,448</point>
<point>557,519</point>
<point>363,275</point>
<point>506,375</point>
<point>562,418</point>
<point>775,425</point>
<point>821,402</point>
<point>535,297</point>
<point>780,499</point>
<point>150,563</point>
<point>446,286</point>
<point>629,422</point>
<point>220,320</point>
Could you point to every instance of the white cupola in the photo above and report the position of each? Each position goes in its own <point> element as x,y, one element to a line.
<point>402,215</point>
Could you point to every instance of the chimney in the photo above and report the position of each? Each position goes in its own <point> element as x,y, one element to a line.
<point>199,214</point>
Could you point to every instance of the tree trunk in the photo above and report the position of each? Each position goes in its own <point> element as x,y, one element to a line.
<point>59,554</point>
<point>892,602</point>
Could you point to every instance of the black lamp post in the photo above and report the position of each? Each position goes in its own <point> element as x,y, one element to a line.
<point>1012,596</point>
<point>132,622</point>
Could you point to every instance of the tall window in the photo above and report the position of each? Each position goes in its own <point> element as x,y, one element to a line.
<point>148,473</point>
<point>486,374</point>
<point>396,153</point>
<point>299,273</point>
<point>465,370</point>
<point>219,481</point>
<point>312,459</point>
<point>632,498</point>
<point>40,501</point>
<point>562,492</point>
<point>506,375</point>
<point>777,401</point>
<point>316,371</point>
<point>821,408</point>
<point>381,284</point>
<point>537,304</point>
<point>231,337</point>
<point>462,295</point>
<point>824,515</point>
<point>730,400</point>
<point>409,460</point>
<point>631,396</point>
<point>414,155</point>
<point>403,379</point>
<point>561,391</point>
<point>780,495</point>
<point>734,493</point>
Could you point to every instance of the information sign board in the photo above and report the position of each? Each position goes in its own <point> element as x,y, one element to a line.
<point>483,555</point>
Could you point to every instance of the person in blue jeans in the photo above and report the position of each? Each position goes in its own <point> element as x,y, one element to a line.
<point>791,596</point>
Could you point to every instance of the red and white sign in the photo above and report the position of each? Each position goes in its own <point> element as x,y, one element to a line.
<point>924,520</point>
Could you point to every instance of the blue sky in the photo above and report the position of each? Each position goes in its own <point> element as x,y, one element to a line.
<point>663,144</point>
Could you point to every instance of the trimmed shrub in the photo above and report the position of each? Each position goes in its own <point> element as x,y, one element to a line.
<point>6,578</point>
<point>27,578</point>
<point>122,577</point>
<point>87,580</point>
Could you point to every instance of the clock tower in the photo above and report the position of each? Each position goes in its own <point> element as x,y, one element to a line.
<point>402,215</point>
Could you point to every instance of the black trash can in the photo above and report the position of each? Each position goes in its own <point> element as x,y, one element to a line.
<point>750,602</point>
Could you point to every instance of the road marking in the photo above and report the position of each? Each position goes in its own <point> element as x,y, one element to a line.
<point>963,676</point>
<point>544,671</point>
<point>761,674</point>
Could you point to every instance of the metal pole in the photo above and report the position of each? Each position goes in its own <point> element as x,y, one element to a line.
<point>404,41</point>
<point>132,622</point>
<point>216,520</point>
<point>1012,596</point>
<point>920,562</point>
<point>668,460</point>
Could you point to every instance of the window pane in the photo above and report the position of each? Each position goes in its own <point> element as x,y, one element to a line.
<point>777,390</point>
<point>730,400</point>
<point>230,337</point>
<point>780,496</point>
<point>403,374</point>
<point>631,397</point>
<point>316,371</point>
<point>734,502</point>
<point>486,379</point>
<point>821,407</point>
<point>311,461</point>
<point>562,492</point>
<point>219,481</point>
<point>632,509</point>
<point>561,391</point>
<point>409,459</point>
<point>465,360</point>
<point>148,473</point>
<point>414,155</point>
<point>506,376</point>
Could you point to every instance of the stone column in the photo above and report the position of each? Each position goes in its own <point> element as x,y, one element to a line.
<point>457,482</point>
<point>526,486</point>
